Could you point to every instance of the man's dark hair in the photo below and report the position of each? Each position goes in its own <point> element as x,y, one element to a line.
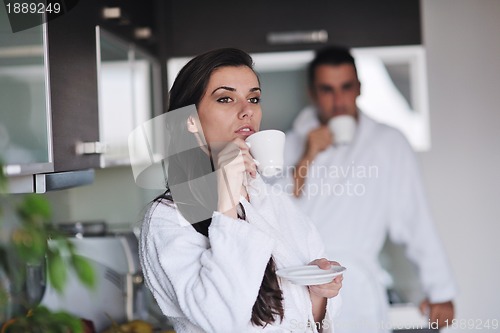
<point>331,55</point>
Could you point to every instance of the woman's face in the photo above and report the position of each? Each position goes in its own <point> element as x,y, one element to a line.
<point>230,107</point>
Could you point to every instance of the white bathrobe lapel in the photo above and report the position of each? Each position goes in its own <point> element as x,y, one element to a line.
<point>262,213</point>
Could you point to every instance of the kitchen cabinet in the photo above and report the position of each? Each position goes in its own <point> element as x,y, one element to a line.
<point>128,81</point>
<point>48,77</point>
<point>259,26</point>
<point>24,105</point>
<point>73,89</point>
<point>53,126</point>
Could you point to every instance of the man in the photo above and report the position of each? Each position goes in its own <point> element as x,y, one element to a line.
<point>359,193</point>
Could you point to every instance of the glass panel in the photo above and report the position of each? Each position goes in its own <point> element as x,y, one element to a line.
<point>394,89</point>
<point>125,95</point>
<point>24,120</point>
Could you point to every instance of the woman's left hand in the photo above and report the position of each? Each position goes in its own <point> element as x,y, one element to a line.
<point>330,289</point>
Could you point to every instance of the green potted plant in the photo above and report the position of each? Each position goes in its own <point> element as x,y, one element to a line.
<point>34,249</point>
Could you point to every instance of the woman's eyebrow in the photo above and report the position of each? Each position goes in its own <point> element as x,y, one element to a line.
<point>223,87</point>
<point>233,89</point>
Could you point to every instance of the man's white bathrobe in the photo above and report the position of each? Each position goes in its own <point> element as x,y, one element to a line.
<point>210,284</point>
<point>357,194</point>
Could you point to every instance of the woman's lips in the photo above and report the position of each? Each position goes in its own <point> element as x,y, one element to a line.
<point>245,131</point>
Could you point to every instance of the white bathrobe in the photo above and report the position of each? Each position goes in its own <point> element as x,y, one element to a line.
<point>356,194</point>
<point>210,284</point>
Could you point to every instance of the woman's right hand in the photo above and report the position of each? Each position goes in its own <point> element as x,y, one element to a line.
<point>233,163</point>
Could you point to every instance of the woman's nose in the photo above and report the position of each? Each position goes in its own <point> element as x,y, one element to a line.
<point>246,110</point>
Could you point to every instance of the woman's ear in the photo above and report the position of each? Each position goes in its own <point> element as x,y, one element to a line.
<point>191,125</point>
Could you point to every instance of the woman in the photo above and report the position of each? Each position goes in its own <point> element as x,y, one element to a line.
<point>212,268</point>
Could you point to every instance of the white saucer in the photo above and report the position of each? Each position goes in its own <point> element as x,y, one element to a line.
<point>310,275</point>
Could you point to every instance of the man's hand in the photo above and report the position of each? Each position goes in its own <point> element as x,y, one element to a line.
<point>440,313</point>
<point>318,140</point>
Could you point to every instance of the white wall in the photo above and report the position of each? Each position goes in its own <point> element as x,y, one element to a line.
<point>462,38</point>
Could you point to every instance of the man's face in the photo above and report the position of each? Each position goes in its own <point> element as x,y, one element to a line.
<point>335,89</point>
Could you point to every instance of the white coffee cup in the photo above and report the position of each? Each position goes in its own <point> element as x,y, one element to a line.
<point>343,128</point>
<point>267,148</point>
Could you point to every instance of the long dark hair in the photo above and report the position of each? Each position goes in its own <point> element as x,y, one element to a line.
<point>189,88</point>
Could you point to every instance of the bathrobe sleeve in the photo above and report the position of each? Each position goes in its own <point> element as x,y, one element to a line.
<point>411,224</point>
<point>212,281</point>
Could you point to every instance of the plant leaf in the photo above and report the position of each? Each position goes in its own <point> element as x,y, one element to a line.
<point>41,310</point>
<point>57,271</point>
<point>65,319</point>
<point>34,207</point>
<point>84,270</point>
<point>29,243</point>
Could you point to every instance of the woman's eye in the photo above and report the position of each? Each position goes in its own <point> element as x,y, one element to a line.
<point>254,100</point>
<point>224,100</point>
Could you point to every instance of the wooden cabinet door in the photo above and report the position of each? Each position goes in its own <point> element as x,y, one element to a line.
<point>73,87</point>
<point>198,26</point>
